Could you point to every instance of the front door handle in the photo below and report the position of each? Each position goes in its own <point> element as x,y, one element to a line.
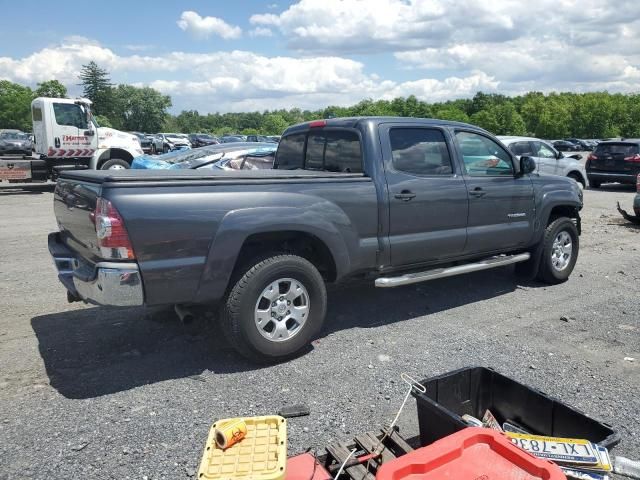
<point>477,192</point>
<point>405,195</point>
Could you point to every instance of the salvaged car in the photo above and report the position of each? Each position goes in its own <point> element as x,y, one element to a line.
<point>395,201</point>
<point>227,156</point>
<point>15,143</point>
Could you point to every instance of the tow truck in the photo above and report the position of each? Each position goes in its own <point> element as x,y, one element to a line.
<point>67,137</point>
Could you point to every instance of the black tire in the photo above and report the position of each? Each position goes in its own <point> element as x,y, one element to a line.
<point>153,149</point>
<point>594,184</point>
<point>165,149</point>
<point>547,272</point>
<point>238,311</point>
<point>578,178</point>
<point>115,163</point>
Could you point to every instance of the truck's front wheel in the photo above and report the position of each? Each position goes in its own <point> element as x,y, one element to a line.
<point>559,251</point>
<point>275,309</point>
<point>115,164</point>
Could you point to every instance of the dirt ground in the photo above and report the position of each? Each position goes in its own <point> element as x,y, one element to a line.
<point>89,392</point>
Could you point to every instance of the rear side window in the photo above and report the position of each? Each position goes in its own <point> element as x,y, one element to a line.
<point>331,151</point>
<point>626,149</point>
<point>37,114</point>
<point>420,151</point>
<point>521,148</point>
<point>290,154</point>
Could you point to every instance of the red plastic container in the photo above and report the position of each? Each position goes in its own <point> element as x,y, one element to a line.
<point>304,467</point>
<point>470,454</point>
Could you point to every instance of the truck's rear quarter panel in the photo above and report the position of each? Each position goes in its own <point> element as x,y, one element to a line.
<point>186,237</point>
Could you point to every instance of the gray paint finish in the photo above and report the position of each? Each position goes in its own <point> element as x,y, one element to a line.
<point>187,227</point>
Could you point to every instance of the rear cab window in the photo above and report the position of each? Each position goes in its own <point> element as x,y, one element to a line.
<point>329,150</point>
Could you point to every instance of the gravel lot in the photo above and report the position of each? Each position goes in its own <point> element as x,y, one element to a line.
<point>90,392</point>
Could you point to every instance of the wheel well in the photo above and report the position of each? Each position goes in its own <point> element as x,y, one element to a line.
<point>565,211</point>
<point>115,153</point>
<point>302,244</point>
<point>576,174</point>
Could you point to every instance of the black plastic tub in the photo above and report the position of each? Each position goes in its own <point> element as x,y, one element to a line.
<point>473,390</point>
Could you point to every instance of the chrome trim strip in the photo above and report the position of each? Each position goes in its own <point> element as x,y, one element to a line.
<point>409,278</point>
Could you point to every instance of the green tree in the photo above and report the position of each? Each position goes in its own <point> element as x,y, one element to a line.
<point>15,106</point>
<point>52,89</point>
<point>273,124</point>
<point>451,113</point>
<point>140,109</point>
<point>486,119</point>
<point>509,120</point>
<point>103,121</point>
<point>96,86</point>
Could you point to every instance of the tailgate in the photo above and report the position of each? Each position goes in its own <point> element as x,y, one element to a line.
<point>74,203</point>
<point>613,157</point>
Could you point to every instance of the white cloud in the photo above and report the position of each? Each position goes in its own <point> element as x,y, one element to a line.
<point>261,32</point>
<point>204,27</point>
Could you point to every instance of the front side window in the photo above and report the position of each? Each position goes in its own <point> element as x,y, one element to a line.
<point>420,151</point>
<point>36,113</point>
<point>482,156</point>
<point>544,151</point>
<point>70,114</point>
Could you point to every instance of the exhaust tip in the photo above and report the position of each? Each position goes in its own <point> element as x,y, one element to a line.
<point>184,314</point>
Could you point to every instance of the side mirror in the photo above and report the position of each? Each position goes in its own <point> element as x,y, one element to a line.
<point>527,165</point>
<point>559,155</point>
<point>89,133</point>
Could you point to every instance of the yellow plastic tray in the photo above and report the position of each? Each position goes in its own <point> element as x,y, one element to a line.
<point>260,455</point>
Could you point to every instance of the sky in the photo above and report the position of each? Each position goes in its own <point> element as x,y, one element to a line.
<point>248,55</point>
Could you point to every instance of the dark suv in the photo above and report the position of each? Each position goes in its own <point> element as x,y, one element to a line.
<point>614,161</point>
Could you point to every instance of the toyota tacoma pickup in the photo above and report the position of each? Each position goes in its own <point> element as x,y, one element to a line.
<point>394,200</point>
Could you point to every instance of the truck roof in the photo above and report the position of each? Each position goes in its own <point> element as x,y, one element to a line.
<point>353,122</point>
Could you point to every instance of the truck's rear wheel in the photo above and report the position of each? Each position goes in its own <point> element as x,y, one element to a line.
<point>559,251</point>
<point>115,164</point>
<point>275,309</point>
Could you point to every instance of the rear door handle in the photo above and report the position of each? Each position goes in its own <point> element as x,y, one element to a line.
<point>477,192</point>
<point>405,195</point>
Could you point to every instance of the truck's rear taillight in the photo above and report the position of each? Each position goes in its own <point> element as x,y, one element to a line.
<point>113,238</point>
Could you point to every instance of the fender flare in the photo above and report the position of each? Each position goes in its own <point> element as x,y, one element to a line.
<point>238,225</point>
<point>100,153</point>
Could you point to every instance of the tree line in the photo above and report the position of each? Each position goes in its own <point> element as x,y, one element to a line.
<point>553,115</point>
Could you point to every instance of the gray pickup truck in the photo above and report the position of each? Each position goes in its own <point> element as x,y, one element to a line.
<point>394,200</point>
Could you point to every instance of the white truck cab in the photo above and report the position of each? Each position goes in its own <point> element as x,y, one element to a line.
<point>64,130</point>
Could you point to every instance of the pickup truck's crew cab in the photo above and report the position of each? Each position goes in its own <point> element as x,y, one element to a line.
<point>67,137</point>
<point>397,200</point>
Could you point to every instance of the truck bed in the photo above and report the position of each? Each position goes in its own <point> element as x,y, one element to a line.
<point>200,176</point>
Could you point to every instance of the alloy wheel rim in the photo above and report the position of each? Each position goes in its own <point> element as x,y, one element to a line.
<point>561,251</point>
<point>282,309</point>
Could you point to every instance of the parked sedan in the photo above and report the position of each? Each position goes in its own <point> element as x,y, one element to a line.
<point>202,140</point>
<point>548,160</point>
<point>584,145</point>
<point>565,146</point>
<point>145,141</point>
<point>15,142</point>
<point>167,142</point>
<point>615,161</point>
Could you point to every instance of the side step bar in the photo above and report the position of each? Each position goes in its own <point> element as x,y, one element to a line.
<point>487,263</point>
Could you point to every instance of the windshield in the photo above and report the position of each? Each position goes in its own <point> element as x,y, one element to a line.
<point>205,136</point>
<point>13,136</point>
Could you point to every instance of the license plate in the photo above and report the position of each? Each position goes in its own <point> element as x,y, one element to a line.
<point>562,450</point>
<point>15,170</point>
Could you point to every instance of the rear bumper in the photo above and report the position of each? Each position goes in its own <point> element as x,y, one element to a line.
<point>107,283</point>
<point>612,177</point>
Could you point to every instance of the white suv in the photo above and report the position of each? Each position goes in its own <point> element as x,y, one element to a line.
<point>548,160</point>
